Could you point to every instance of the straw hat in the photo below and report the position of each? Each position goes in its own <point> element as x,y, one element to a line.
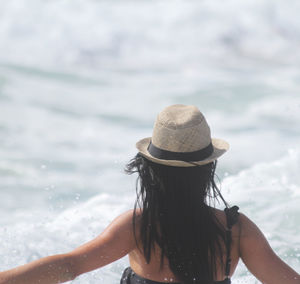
<point>181,138</point>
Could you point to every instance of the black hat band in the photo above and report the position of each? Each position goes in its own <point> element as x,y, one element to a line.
<point>181,156</point>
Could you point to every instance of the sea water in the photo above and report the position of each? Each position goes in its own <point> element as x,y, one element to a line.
<point>82,81</point>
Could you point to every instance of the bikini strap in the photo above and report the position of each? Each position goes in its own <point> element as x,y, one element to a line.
<point>126,276</point>
<point>232,215</point>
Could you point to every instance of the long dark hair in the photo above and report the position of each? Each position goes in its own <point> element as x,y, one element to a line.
<point>176,214</point>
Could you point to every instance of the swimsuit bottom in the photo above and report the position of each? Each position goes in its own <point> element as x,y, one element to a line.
<point>130,277</point>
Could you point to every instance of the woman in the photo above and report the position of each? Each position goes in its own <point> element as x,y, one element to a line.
<point>173,235</point>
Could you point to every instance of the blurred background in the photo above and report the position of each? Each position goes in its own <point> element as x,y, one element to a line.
<point>82,81</point>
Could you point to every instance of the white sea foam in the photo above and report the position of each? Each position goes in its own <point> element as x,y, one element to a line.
<point>135,33</point>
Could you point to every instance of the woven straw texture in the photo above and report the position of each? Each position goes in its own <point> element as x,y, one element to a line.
<point>181,128</point>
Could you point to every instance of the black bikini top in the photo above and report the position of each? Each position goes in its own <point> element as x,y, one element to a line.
<point>130,277</point>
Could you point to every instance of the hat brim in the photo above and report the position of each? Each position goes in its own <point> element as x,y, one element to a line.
<point>219,148</point>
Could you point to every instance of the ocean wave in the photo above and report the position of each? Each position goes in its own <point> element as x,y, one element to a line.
<point>97,34</point>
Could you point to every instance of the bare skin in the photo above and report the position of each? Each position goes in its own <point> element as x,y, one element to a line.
<point>117,240</point>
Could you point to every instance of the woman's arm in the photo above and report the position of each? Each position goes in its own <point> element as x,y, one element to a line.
<point>47,270</point>
<point>116,241</point>
<point>260,259</point>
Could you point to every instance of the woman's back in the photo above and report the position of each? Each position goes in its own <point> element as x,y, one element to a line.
<point>248,244</point>
<point>154,272</point>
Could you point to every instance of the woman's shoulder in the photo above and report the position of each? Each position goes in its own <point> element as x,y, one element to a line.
<point>229,216</point>
<point>242,225</point>
<point>125,219</point>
